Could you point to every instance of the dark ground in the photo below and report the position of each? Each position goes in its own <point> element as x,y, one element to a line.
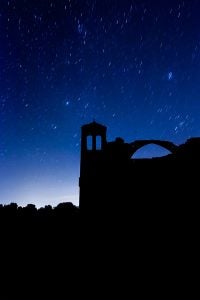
<point>148,249</point>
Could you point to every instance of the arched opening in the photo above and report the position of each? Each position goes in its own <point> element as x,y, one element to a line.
<point>150,151</point>
<point>98,142</point>
<point>89,142</point>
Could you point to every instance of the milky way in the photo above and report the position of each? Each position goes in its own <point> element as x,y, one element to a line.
<point>131,65</point>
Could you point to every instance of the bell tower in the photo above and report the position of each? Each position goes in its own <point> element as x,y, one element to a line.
<point>93,144</point>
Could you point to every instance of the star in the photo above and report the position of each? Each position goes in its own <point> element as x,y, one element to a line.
<point>170,76</point>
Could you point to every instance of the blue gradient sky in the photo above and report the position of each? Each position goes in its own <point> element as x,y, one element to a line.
<point>131,65</point>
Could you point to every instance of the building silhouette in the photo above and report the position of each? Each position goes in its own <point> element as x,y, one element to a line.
<point>111,179</point>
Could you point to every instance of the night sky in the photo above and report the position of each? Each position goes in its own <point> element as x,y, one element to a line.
<point>131,65</point>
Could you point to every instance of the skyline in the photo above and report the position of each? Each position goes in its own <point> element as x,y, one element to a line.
<point>133,66</point>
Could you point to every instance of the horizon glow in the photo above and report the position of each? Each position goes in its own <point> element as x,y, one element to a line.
<point>133,66</point>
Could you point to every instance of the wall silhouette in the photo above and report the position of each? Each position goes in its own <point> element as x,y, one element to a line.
<point>111,180</point>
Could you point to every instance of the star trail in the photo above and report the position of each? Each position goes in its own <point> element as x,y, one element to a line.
<point>131,65</point>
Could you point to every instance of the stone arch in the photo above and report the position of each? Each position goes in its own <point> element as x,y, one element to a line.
<point>138,144</point>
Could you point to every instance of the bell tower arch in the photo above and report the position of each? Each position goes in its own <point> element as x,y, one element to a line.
<point>93,144</point>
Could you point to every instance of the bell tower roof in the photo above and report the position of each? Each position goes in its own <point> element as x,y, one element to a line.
<point>94,128</point>
<point>93,125</point>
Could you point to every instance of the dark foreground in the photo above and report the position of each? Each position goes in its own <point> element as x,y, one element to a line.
<point>152,250</point>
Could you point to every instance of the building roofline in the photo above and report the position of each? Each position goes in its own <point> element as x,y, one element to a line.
<point>93,124</point>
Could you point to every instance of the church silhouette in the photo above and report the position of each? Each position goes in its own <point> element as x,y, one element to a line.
<point>140,213</point>
<point>111,179</point>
